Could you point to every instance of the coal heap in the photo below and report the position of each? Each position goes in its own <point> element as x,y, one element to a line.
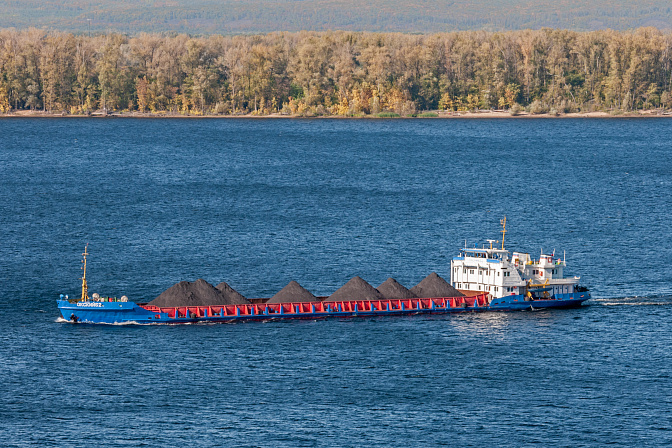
<point>293,292</point>
<point>198,293</point>
<point>231,296</point>
<point>356,289</point>
<point>394,290</point>
<point>435,286</point>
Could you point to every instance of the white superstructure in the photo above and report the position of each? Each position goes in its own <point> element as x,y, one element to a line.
<point>497,272</point>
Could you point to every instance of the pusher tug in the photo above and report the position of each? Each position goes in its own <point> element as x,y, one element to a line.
<point>492,279</point>
<point>515,281</point>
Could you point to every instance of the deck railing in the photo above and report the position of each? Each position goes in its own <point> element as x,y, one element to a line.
<point>325,308</point>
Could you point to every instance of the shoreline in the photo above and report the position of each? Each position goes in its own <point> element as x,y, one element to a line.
<point>653,113</point>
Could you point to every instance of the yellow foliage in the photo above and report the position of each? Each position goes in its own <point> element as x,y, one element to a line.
<point>472,102</point>
<point>394,100</point>
<point>446,102</point>
<point>296,107</point>
<point>342,107</point>
<point>4,101</point>
<point>301,107</point>
<point>141,88</point>
<point>361,99</point>
<point>293,107</point>
<point>511,94</point>
<point>89,103</point>
<point>356,103</point>
<point>184,103</point>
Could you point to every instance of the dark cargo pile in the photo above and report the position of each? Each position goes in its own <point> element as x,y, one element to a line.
<point>293,292</point>
<point>392,289</point>
<point>356,289</point>
<point>434,286</point>
<point>198,293</point>
<point>202,293</point>
<point>231,296</point>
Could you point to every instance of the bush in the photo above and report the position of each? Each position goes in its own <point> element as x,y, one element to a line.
<point>408,108</point>
<point>222,108</point>
<point>388,115</point>
<point>516,109</point>
<point>428,115</point>
<point>537,107</point>
<point>568,107</point>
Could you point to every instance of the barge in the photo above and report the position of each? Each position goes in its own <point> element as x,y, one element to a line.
<point>494,279</point>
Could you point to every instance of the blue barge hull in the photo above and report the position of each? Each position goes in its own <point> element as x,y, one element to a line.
<point>116,312</point>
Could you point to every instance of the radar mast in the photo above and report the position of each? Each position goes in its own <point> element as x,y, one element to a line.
<point>503,223</point>
<point>85,286</point>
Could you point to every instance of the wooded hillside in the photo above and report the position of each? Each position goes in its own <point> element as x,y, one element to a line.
<point>263,16</point>
<point>340,73</point>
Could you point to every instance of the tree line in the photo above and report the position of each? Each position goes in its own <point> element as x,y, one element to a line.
<point>336,73</point>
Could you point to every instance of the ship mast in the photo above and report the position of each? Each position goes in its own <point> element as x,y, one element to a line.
<point>503,223</point>
<point>85,286</point>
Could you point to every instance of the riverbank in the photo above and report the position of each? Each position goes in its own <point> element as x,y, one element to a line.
<point>427,114</point>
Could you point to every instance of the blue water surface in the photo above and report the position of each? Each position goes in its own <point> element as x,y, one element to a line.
<point>257,203</point>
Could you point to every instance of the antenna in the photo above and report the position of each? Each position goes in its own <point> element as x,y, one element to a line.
<point>490,241</point>
<point>85,286</point>
<point>503,223</point>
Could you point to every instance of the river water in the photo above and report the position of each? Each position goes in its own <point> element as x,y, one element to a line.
<point>257,203</point>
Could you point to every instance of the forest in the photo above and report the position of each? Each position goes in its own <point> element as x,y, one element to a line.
<point>336,72</point>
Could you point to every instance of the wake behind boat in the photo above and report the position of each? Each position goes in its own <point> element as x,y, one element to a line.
<point>489,279</point>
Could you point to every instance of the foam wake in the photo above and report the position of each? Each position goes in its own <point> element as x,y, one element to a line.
<point>655,300</point>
